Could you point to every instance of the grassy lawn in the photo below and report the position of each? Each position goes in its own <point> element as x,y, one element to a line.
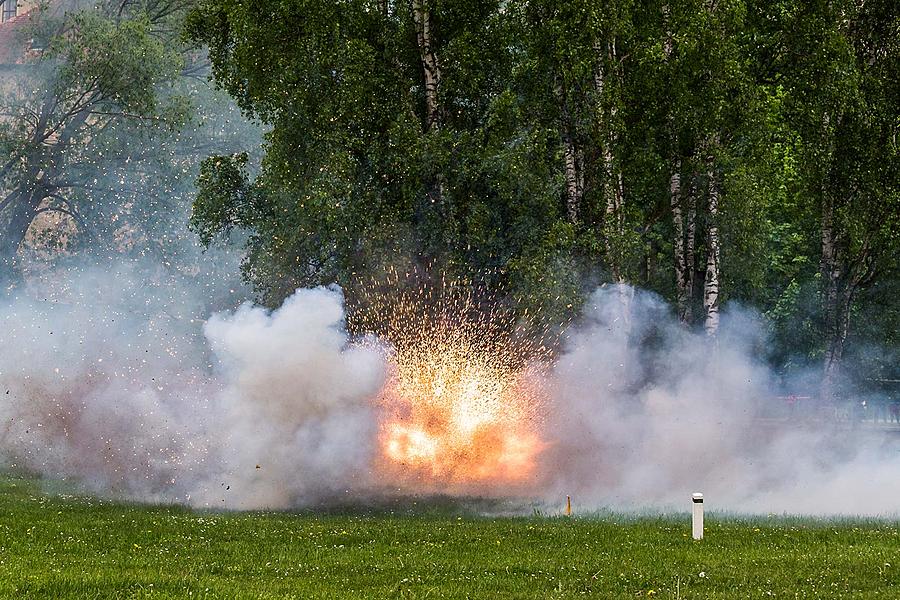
<point>56,546</point>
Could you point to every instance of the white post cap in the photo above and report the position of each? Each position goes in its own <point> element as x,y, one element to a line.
<point>697,497</point>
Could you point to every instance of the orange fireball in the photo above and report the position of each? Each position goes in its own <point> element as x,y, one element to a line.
<point>463,403</point>
<point>453,420</point>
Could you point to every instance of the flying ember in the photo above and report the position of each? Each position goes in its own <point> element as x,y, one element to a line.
<point>464,400</point>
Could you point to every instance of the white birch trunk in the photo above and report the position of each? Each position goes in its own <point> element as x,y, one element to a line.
<point>711,283</point>
<point>689,246</point>
<point>669,42</point>
<point>574,175</point>
<point>432,72</point>
<point>430,64</point>
<point>573,193</point>
<point>683,293</point>
<point>613,187</point>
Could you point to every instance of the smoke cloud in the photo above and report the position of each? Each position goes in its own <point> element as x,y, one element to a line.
<point>132,390</point>
<point>647,412</point>
<point>134,398</point>
<point>297,420</point>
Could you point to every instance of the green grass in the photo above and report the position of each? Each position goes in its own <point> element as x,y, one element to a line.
<point>57,546</point>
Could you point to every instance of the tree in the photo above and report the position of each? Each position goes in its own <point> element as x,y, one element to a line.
<point>712,130</point>
<point>398,133</point>
<point>713,151</point>
<point>840,61</point>
<point>97,71</point>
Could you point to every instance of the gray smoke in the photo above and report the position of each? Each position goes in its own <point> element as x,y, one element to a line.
<point>297,420</point>
<point>120,387</point>
<point>125,385</point>
<point>646,412</point>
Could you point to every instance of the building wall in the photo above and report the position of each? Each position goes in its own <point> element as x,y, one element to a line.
<point>22,6</point>
<point>13,42</point>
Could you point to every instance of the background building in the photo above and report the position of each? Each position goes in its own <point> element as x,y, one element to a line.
<point>14,18</point>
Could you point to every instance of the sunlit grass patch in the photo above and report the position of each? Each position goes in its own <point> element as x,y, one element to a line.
<point>59,546</point>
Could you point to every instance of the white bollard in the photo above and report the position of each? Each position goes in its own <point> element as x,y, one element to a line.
<point>697,516</point>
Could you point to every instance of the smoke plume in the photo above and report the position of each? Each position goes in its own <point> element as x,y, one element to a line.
<point>134,398</point>
<point>130,389</point>
<point>647,412</point>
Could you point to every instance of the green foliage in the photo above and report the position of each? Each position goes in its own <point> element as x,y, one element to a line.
<point>343,187</point>
<point>121,62</point>
<point>222,202</point>
<point>106,121</point>
<point>781,103</point>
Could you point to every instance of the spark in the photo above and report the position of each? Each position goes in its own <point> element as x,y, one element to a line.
<point>463,403</point>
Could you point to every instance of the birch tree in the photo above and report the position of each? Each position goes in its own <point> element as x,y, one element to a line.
<point>712,281</point>
<point>405,136</point>
<point>573,159</point>
<point>544,141</point>
<point>607,85</point>
<point>710,127</point>
<point>431,69</point>
<point>845,108</point>
<point>683,219</point>
<point>431,73</point>
<point>554,37</point>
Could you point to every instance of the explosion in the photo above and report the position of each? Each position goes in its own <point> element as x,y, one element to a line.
<point>464,399</point>
<point>456,415</point>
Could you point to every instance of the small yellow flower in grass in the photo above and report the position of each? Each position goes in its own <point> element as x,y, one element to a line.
<point>651,592</point>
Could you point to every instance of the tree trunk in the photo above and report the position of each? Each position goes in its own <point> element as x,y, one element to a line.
<point>613,184</point>
<point>837,296</point>
<point>711,283</point>
<point>669,41</point>
<point>690,245</point>
<point>574,190</point>
<point>430,64</point>
<point>433,207</point>
<point>572,163</point>
<point>685,231</point>
<point>682,292</point>
<point>19,208</point>
<point>16,217</point>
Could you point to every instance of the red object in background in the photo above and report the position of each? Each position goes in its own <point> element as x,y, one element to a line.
<point>13,41</point>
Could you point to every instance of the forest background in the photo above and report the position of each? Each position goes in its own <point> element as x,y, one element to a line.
<point>730,152</point>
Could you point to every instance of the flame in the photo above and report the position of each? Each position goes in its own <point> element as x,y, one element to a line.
<point>463,404</point>
<point>458,420</point>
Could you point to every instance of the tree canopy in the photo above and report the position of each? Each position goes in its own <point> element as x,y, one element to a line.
<point>104,111</point>
<point>739,151</point>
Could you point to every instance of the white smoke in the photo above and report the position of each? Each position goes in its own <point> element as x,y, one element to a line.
<point>135,399</point>
<point>297,420</point>
<point>128,389</point>
<point>645,413</point>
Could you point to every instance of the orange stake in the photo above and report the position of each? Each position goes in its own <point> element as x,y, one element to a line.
<point>568,506</point>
